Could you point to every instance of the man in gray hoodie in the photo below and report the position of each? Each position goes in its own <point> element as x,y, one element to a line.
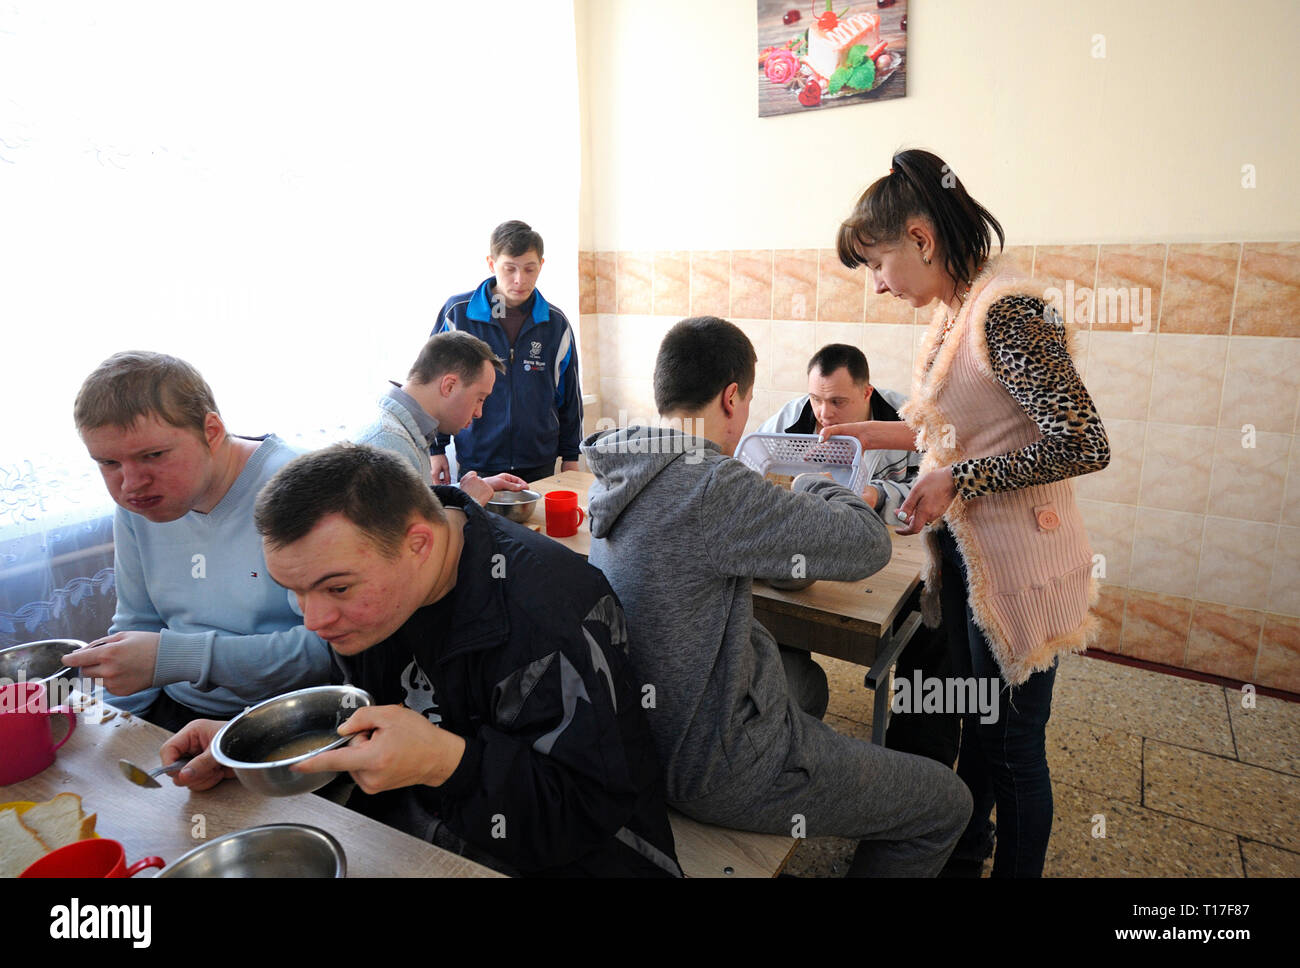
<point>680,529</point>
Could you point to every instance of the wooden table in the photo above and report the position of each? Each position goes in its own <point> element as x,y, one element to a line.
<point>853,620</point>
<point>171,821</point>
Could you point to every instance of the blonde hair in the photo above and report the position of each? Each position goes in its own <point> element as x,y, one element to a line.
<point>136,383</point>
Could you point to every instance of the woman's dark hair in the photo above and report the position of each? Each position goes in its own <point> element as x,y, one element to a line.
<point>920,184</point>
<point>698,359</point>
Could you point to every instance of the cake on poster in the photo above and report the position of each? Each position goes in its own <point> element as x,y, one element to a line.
<point>820,54</point>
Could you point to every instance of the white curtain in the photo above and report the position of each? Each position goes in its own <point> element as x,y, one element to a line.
<point>282,193</point>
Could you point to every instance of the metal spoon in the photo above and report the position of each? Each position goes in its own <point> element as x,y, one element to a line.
<point>139,777</point>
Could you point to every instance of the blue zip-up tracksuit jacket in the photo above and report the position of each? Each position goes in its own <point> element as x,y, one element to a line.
<point>534,413</point>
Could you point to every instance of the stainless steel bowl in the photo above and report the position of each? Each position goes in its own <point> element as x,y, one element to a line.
<point>245,742</point>
<point>789,584</point>
<point>515,505</point>
<point>38,661</point>
<point>274,850</point>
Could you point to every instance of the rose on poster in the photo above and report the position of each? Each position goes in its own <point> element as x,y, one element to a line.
<point>781,67</point>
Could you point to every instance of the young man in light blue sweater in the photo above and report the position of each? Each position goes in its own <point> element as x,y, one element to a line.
<point>200,628</point>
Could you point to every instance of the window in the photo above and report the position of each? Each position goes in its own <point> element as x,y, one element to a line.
<point>282,194</point>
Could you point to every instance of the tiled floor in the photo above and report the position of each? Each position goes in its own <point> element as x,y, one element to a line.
<point>1182,777</point>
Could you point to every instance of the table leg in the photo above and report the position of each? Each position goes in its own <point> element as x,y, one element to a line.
<point>877,679</point>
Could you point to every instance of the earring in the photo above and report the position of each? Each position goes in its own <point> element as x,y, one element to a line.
<point>925,260</point>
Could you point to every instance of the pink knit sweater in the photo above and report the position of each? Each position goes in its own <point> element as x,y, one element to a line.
<point>1028,561</point>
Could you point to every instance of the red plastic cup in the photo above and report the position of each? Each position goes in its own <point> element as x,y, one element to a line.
<point>26,740</point>
<point>563,514</point>
<point>89,858</point>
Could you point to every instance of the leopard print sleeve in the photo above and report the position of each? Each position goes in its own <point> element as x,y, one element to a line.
<point>1028,352</point>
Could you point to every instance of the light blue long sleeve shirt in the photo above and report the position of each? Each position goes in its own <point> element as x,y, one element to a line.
<point>230,636</point>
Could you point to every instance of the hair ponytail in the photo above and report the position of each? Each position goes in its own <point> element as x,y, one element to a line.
<point>920,184</point>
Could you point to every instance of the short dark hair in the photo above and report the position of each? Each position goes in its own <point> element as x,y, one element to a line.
<point>514,238</point>
<point>698,359</point>
<point>453,352</point>
<point>374,489</point>
<point>920,184</point>
<point>832,356</point>
<point>136,383</point>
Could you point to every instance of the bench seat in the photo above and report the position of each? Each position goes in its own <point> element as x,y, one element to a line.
<point>707,851</point>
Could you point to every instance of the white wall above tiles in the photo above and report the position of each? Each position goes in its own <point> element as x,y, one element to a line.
<point>1148,142</point>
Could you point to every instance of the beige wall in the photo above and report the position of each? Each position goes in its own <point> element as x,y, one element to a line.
<point>1197,515</point>
<point>1145,144</point>
<point>1123,171</point>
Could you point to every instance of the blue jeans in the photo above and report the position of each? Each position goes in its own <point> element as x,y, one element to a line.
<point>1005,761</point>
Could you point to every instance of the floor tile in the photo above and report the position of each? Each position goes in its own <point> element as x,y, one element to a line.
<point>1143,702</point>
<point>1137,842</point>
<point>1265,861</point>
<point>848,727</point>
<point>1095,758</point>
<point>1171,808</point>
<point>850,698</point>
<point>1224,793</point>
<point>821,857</point>
<point>1267,735</point>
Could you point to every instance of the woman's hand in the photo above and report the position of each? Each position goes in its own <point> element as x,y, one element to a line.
<point>875,434</point>
<point>929,499</point>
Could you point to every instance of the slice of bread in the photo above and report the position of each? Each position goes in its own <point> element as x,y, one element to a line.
<point>19,847</point>
<point>59,822</point>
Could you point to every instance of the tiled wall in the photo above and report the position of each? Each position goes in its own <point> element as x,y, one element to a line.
<point>1200,532</point>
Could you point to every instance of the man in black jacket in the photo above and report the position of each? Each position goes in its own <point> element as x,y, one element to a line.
<point>505,714</point>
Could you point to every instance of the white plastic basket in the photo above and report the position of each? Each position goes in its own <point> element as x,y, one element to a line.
<point>795,454</point>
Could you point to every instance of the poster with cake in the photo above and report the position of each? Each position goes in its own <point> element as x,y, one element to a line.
<point>823,54</point>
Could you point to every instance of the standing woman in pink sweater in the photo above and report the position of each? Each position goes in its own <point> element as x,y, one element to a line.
<point>1004,422</point>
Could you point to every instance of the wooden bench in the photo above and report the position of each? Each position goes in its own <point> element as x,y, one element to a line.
<point>707,851</point>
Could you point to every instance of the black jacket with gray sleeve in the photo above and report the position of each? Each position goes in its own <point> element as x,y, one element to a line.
<point>526,659</point>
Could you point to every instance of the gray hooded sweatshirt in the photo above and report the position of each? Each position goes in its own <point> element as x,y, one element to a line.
<point>680,530</point>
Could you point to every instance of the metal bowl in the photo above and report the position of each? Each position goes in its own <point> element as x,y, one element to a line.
<point>273,850</point>
<point>789,584</point>
<point>38,661</point>
<point>515,505</point>
<point>245,743</point>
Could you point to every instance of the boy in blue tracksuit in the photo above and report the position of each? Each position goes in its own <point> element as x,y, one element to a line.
<point>535,411</point>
